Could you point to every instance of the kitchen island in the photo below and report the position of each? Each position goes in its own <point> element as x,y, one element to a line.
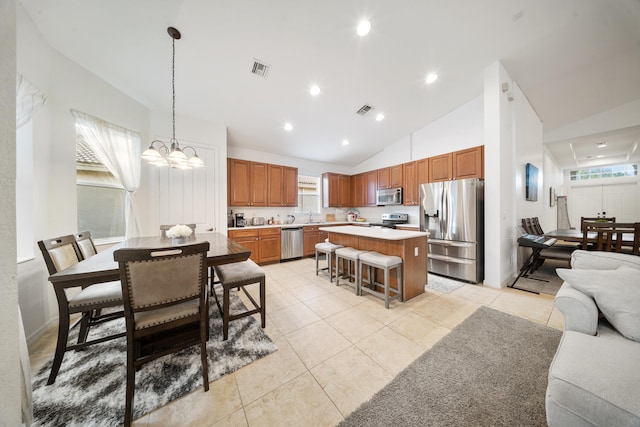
<point>411,246</point>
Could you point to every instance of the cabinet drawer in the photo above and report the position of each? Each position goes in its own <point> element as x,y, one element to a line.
<point>243,233</point>
<point>312,229</point>
<point>270,231</point>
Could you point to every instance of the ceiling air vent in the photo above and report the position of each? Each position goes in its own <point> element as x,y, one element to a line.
<point>364,110</point>
<point>260,68</point>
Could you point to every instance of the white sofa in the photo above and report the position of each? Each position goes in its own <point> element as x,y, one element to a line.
<point>594,378</point>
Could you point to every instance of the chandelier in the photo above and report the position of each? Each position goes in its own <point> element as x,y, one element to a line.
<point>161,154</point>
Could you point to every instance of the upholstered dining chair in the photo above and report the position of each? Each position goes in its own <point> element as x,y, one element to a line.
<point>165,305</point>
<point>86,246</point>
<point>559,251</point>
<point>611,237</point>
<point>60,253</point>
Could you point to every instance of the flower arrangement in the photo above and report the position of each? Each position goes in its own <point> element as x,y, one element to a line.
<point>178,231</point>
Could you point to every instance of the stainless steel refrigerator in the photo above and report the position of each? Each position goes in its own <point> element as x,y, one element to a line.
<point>453,214</point>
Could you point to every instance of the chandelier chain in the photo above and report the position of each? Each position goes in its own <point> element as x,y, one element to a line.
<point>173,87</point>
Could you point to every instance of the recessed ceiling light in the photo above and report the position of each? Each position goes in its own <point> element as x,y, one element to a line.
<point>431,78</point>
<point>363,28</point>
<point>379,117</point>
<point>601,144</point>
<point>288,127</point>
<point>599,156</point>
<point>345,142</point>
<point>315,90</point>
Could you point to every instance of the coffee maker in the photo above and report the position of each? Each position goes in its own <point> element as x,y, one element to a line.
<point>240,219</point>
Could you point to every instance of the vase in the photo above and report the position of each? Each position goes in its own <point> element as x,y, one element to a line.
<point>178,240</point>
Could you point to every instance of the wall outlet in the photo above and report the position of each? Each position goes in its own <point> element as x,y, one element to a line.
<point>415,251</point>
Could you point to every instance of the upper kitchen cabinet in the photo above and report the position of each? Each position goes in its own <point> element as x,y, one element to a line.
<point>336,190</point>
<point>358,190</point>
<point>461,164</point>
<point>247,183</point>
<point>283,186</point>
<point>261,184</point>
<point>371,185</point>
<point>414,173</point>
<point>390,177</point>
<point>469,163</point>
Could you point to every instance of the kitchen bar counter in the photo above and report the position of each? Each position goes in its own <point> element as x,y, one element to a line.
<point>411,246</point>
<point>321,224</point>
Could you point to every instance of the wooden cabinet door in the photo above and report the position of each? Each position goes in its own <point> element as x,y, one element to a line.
<point>310,240</point>
<point>395,176</point>
<point>371,178</point>
<point>410,187</point>
<point>248,239</point>
<point>276,180</point>
<point>290,186</point>
<point>383,178</point>
<point>239,182</point>
<point>269,245</point>
<point>422,171</point>
<point>358,190</point>
<point>344,191</point>
<point>440,168</point>
<point>468,163</point>
<point>259,184</point>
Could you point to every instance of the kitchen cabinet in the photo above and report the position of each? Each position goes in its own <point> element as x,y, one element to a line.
<point>261,184</point>
<point>441,168</point>
<point>336,190</point>
<point>468,163</point>
<point>371,180</point>
<point>264,243</point>
<point>247,183</point>
<point>413,174</point>
<point>313,235</point>
<point>283,186</point>
<point>358,190</point>
<point>390,177</point>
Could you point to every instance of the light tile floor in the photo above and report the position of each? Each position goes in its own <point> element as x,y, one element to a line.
<point>335,350</point>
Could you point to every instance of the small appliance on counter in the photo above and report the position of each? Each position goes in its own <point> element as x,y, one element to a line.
<point>353,215</point>
<point>231,220</point>
<point>257,220</point>
<point>240,219</point>
<point>390,196</point>
<point>291,219</point>
<point>390,220</point>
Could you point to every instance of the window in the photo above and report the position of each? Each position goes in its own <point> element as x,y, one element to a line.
<point>308,194</point>
<point>604,172</point>
<point>100,197</point>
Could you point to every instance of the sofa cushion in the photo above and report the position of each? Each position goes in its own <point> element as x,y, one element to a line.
<point>599,260</point>
<point>593,380</point>
<point>616,292</point>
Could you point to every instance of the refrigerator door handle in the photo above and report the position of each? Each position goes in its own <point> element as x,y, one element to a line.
<point>452,259</point>
<point>451,243</point>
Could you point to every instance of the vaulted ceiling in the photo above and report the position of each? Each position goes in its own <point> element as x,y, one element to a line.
<point>572,58</point>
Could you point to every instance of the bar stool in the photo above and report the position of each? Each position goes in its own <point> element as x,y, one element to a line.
<point>350,255</point>
<point>238,275</point>
<point>328,249</point>
<point>373,260</point>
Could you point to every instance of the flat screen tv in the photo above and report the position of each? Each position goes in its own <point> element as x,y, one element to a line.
<point>531,187</point>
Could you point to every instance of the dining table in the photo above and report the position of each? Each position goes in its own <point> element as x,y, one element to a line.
<point>102,267</point>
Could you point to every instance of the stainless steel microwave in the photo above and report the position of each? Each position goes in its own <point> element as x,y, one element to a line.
<point>391,196</point>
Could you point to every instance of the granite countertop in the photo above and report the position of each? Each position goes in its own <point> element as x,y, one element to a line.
<point>376,233</point>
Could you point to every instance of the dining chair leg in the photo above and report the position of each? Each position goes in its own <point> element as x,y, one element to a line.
<point>263,299</point>
<point>61,346</point>
<point>204,335</point>
<point>131,383</point>
<point>225,315</point>
<point>84,327</point>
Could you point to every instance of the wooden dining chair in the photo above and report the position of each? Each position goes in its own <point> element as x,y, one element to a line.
<point>559,251</point>
<point>85,244</point>
<point>611,236</point>
<point>60,253</point>
<point>165,305</point>
<point>584,219</point>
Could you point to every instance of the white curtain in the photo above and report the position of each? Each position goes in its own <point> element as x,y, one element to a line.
<point>119,150</point>
<point>29,100</point>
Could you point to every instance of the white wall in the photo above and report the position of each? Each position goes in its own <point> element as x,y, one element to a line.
<point>67,86</point>
<point>10,402</point>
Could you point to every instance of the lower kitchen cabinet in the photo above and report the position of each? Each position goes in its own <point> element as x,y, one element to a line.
<point>264,243</point>
<point>313,235</point>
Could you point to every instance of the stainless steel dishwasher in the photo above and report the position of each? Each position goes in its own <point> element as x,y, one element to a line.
<point>291,243</point>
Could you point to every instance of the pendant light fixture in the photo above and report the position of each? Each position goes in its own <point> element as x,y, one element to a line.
<point>158,152</point>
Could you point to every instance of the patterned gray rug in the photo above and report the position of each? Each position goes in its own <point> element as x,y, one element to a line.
<point>491,370</point>
<point>90,388</point>
<point>442,284</point>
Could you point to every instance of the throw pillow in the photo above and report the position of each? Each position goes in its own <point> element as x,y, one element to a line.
<point>616,292</point>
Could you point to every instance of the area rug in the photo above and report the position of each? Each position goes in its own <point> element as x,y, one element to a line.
<point>491,370</point>
<point>90,387</point>
<point>544,280</point>
<point>442,284</point>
